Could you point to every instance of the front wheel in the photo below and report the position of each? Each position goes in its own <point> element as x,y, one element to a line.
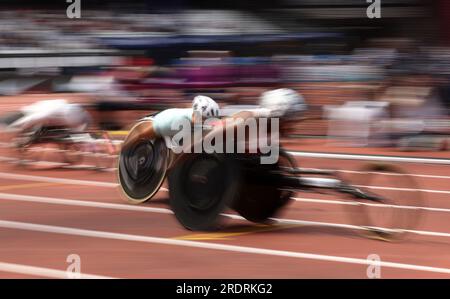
<point>399,209</point>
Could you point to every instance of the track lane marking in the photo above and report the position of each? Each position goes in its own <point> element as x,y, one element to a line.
<point>227,235</point>
<point>82,203</point>
<point>111,169</point>
<point>404,189</point>
<point>14,176</point>
<point>26,177</point>
<point>212,246</point>
<point>352,203</point>
<point>345,155</point>
<point>62,165</point>
<point>278,221</point>
<point>393,174</point>
<point>370,157</point>
<point>24,186</point>
<point>43,272</point>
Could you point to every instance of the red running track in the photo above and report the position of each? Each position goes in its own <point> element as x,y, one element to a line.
<point>42,221</point>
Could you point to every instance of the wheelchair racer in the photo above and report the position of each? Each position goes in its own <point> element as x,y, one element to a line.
<point>141,176</point>
<point>46,114</point>
<point>161,124</point>
<point>283,103</point>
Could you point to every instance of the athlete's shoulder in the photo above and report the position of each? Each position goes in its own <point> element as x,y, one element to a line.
<point>177,111</point>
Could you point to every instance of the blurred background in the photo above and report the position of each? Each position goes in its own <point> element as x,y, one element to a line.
<point>380,82</point>
<point>378,90</point>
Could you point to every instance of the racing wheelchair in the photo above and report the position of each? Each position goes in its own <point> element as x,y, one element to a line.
<point>58,144</point>
<point>202,186</point>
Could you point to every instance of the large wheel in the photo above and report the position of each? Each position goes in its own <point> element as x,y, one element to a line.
<point>142,168</point>
<point>202,186</point>
<point>400,208</point>
<point>257,201</point>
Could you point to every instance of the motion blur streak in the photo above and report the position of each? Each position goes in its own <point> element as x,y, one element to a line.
<point>374,86</point>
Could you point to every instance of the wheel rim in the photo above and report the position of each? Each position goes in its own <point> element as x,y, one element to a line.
<point>386,221</point>
<point>139,162</point>
<point>142,169</point>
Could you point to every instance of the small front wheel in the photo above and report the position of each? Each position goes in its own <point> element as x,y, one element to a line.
<point>399,208</point>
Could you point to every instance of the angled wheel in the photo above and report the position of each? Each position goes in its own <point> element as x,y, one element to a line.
<point>201,187</point>
<point>399,209</point>
<point>142,168</point>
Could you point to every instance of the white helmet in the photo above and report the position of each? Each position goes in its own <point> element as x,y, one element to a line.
<point>282,102</point>
<point>206,106</point>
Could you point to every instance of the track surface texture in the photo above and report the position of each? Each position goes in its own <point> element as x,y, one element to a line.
<point>46,215</point>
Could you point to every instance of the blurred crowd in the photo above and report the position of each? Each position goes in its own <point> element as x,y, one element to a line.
<point>385,91</point>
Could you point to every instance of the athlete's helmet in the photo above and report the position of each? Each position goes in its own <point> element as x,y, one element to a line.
<point>282,102</point>
<point>206,106</point>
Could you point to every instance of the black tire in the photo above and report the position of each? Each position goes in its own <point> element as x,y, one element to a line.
<point>257,201</point>
<point>141,169</point>
<point>201,187</point>
<point>397,213</point>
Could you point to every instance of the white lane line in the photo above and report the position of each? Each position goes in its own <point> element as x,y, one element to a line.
<point>370,157</point>
<point>212,246</point>
<point>383,173</point>
<point>328,155</point>
<point>82,203</point>
<point>327,201</point>
<point>63,165</point>
<point>70,202</point>
<point>25,177</point>
<point>352,203</point>
<point>349,226</point>
<point>43,272</point>
<point>365,157</point>
<point>404,189</point>
<point>393,174</point>
<point>7,159</point>
<point>57,164</point>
